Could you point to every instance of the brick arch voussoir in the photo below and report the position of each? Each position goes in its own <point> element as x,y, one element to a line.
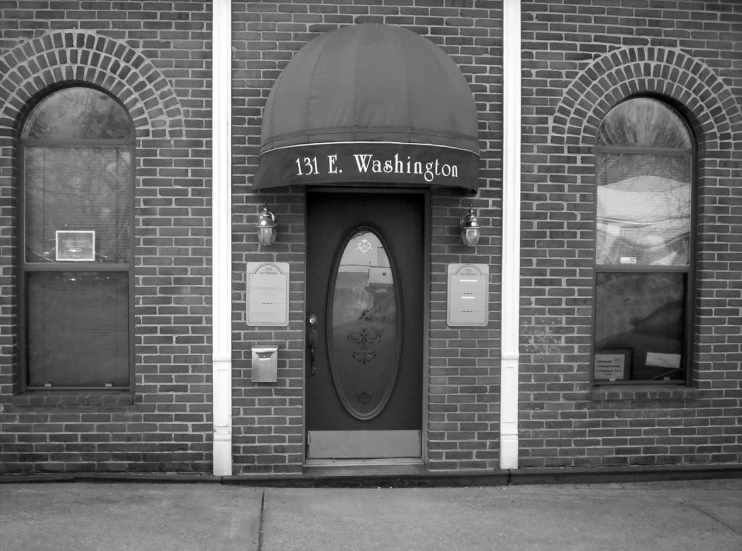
<point>74,56</point>
<point>628,71</point>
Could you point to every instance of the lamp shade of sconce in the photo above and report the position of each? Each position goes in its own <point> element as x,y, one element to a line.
<point>267,227</point>
<point>470,229</point>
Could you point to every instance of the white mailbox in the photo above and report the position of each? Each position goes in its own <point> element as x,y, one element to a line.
<point>468,295</point>
<point>265,364</point>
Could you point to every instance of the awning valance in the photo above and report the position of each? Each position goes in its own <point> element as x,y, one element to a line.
<point>370,104</point>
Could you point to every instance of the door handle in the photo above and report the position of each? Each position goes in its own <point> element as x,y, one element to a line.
<point>312,344</point>
<point>312,369</point>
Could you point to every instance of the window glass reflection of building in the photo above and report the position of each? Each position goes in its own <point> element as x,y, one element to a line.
<point>644,243</point>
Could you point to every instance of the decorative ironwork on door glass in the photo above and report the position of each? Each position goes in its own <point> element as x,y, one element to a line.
<point>363,330</point>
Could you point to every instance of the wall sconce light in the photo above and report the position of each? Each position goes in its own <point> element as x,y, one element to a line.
<point>470,229</point>
<point>267,227</point>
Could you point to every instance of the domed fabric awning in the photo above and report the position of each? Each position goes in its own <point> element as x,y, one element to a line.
<point>370,104</point>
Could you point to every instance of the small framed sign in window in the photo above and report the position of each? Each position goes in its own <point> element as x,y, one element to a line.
<point>75,246</point>
<point>612,365</point>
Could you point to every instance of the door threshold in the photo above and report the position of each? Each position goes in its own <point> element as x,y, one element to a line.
<point>331,468</point>
<point>392,461</point>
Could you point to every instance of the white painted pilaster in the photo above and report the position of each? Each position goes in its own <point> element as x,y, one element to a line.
<point>510,234</point>
<point>222,234</point>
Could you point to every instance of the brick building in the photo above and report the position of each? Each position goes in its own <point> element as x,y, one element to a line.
<point>147,324</point>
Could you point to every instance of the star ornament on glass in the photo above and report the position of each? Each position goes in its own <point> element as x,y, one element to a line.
<point>364,246</point>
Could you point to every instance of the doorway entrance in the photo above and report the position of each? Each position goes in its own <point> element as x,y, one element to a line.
<point>365,320</point>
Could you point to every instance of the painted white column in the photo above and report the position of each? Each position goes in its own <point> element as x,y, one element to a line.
<point>511,37</point>
<point>221,274</point>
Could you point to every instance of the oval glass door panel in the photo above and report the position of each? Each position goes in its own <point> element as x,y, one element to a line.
<point>364,322</point>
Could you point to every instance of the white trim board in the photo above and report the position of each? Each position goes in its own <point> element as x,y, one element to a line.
<point>510,233</point>
<point>222,235</point>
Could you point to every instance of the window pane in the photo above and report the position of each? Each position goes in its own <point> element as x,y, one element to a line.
<point>75,189</point>
<point>644,209</point>
<point>643,123</point>
<point>365,336</point>
<point>643,313</point>
<point>78,332</point>
<point>78,114</point>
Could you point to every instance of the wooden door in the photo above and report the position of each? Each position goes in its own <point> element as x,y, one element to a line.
<point>365,292</point>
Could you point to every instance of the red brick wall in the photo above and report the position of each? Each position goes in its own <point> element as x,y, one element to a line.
<point>580,60</point>
<point>463,365</point>
<point>154,57</point>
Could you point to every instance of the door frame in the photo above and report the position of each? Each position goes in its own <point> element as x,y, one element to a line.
<point>425,193</point>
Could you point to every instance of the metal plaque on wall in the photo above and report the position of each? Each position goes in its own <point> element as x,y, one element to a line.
<point>267,294</point>
<point>468,296</point>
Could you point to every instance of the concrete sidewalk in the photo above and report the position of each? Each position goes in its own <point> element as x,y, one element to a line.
<point>131,516</point>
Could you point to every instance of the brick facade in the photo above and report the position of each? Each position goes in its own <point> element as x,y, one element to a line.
<point>463,375</point>
<point>154,58</point>
<point>579,59</point>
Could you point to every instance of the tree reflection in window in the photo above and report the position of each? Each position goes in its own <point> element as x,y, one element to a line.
<point>644,196</point>
<point>644,174</point>
<point>76,188</point>
<point>78,114</point>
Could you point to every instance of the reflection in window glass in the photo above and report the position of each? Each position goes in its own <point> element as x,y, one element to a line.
<point>77,152</point>
<point>364,328</point>
<point>78,114</point>
<point>643,122</point>
<point>643,314</point>
<point>644,208</point>
<point>364,283</point>
<point>78,189</point>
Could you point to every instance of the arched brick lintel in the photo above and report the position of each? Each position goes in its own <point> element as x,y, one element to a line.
<point>707,102</point>
<point>75,56</point>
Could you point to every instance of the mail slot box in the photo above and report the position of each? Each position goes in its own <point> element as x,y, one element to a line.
<point>265,364</point>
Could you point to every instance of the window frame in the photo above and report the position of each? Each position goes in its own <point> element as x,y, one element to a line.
<point>689,269</point>
<point>24,267</point>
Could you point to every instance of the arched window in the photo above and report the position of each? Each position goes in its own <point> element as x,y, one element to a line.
<point>644,248</point>
<point>76,153</point>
